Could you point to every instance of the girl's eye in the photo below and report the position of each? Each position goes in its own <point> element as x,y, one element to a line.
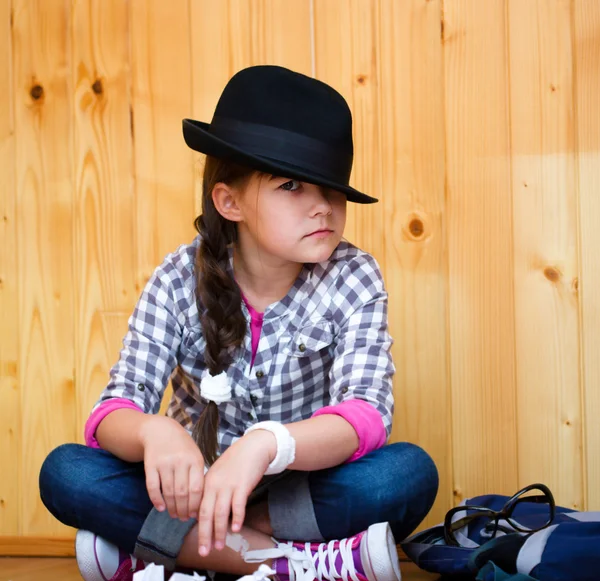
<point>291,186</point>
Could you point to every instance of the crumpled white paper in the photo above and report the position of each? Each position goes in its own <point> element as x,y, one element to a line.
<point>261,574</point>
<point>157,573</point>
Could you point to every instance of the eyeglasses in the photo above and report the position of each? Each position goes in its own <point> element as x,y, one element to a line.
<point>505,514</point>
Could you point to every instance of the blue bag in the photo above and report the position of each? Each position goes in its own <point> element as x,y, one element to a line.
<point>518,538</point>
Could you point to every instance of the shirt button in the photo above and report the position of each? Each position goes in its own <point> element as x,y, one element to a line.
<point>344,390</point>
<point>141,386</point>
<point>302,347</point>
<point>259,374</point>
<point>253,399</point>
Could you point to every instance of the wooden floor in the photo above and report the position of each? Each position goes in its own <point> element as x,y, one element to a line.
<point>44,569</point>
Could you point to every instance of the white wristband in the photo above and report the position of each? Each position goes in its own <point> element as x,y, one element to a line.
<point>286,445</point>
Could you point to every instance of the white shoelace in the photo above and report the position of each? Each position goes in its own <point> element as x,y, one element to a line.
<point>309,565</point>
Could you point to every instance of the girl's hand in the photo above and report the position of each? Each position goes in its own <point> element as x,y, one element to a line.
<point>228,484</point>
<point>173,464</point>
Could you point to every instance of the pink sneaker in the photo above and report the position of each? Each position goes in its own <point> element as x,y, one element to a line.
<point>99,560</point>
<point>368,556</point>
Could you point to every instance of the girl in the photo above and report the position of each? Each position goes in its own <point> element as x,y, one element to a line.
<point>274,332</point>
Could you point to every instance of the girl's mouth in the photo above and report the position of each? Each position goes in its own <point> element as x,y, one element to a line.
<point>320,233</point>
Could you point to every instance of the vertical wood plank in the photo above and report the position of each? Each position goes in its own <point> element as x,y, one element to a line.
<point>411,120</point>
<point>44,244</point>
<point>233,34</point>
<point>586,20</point>
<point>104,204</point>
<point>161,98</point>
<point>10,411</point>
<point>480,302</point>
<point>545,242</point>
<point>346,57</point>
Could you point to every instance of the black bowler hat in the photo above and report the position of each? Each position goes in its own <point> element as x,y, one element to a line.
<point>283,123</point>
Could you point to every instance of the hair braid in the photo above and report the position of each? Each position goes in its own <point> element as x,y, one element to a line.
<point>217,294</point>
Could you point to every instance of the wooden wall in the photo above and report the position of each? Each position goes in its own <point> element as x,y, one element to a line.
<point>477,125</point>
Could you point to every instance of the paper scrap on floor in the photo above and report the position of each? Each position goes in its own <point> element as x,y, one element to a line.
<point>157,573</point>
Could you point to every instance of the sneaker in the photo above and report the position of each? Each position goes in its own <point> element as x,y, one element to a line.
<point>99,560</point>
<point>368,556</point>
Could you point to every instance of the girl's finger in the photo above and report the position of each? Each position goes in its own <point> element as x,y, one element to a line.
<point>195,488</point>
<point>180,491</point>
<point>205,521</point>
<point>166,481</point>
<point>222,512</point>
<point>238,508</point>
<point>153,486</point>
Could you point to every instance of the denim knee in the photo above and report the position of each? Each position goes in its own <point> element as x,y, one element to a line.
<point>397,483</point>
<point>412,494</point>
<point>92,489</point>
<point>404,477</point>
<point>59,482</point>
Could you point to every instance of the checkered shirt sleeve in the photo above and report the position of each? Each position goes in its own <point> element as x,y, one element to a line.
<point>362,364</point>
<point>149,352</point>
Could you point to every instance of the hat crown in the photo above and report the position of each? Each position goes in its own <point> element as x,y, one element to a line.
<point>278,97</point>
<point>284,123</point>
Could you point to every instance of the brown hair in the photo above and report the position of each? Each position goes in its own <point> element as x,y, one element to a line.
<point>217,295</point>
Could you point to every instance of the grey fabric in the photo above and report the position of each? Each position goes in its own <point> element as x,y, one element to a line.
<point>161,538</point>
<point>291,509</point>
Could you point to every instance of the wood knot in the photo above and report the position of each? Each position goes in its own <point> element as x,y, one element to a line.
<point>457,493</point>
<point>525,185</point>
<point>552,273</point>
<point>567,422</point>
<point>97,87</point>
<point>575,285</point>
<point>416,227</point>
<point>2,502</point>
<point>37,92</point>
<point>553,87</point>
<point>361,79</point>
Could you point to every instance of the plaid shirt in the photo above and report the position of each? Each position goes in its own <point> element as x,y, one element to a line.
<point>325,342</point>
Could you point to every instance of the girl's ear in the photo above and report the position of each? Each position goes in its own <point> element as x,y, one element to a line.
<point>225,200</point>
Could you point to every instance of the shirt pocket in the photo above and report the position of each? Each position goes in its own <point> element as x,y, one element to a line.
<point>312,338</point>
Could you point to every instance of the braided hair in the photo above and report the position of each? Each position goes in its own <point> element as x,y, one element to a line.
<point>217,295</point>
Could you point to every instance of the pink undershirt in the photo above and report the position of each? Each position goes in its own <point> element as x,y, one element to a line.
<point>256,321</point>
<point>360,414</point>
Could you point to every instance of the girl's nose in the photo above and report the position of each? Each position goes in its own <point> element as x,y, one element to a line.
<point>321,203</point>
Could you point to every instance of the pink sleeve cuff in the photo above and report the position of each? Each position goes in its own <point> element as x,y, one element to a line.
<point>105,408</point>
<point>365,420</point>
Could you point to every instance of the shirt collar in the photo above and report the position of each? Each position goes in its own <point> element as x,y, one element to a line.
<point>291,301</point>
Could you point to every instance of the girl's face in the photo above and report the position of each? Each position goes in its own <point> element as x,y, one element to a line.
<point>291,220</point>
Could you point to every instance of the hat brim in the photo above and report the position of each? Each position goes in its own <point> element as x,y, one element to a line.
<point>198,137</point>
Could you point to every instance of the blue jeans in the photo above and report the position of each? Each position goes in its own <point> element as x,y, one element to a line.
<point>91,489</point>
